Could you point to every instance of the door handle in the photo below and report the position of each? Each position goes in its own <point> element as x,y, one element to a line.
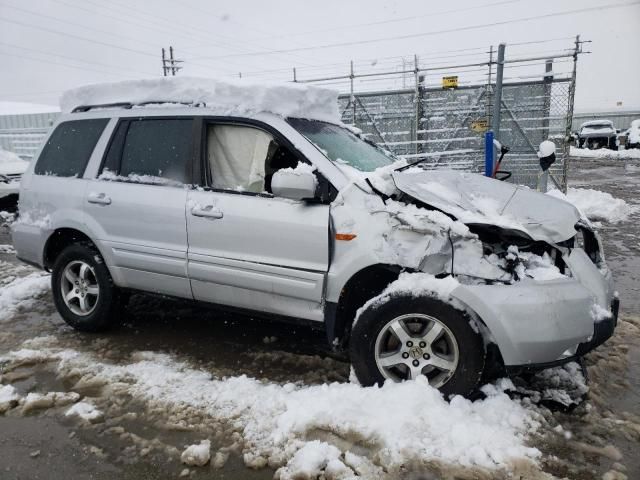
<point>99,198</point>
<point>209,212</point>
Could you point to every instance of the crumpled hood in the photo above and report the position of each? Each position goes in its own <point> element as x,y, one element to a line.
<point>476,199</point>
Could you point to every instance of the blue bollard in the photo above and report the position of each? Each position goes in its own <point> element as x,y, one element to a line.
<point>488,154</point>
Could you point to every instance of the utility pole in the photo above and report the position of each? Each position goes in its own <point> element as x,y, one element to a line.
<point>170,64</point>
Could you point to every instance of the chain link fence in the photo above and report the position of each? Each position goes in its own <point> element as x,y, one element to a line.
<point>445,127</point>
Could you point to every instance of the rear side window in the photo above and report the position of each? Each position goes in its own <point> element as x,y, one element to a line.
<point>156,151</point>
<point>69,148</point>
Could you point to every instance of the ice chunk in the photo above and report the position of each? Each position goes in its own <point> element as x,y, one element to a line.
<point>86,411</point>
<point>8,397</point>
<point>21,293</point>
<point>198,454</point>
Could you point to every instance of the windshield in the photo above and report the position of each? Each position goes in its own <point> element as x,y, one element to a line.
<point>342,146</point>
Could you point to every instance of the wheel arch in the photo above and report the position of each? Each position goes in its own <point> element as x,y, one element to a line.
<point>361,286</point>
<point>58,240</point>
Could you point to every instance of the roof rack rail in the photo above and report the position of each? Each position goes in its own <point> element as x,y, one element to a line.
<point>129,105</point>
<point>86,108</point>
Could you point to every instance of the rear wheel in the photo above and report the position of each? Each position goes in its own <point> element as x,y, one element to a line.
<point>83,289</point>
<point>406,337</point>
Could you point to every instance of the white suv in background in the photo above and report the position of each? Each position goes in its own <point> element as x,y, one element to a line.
<point>411,272</point>
<point>11,169</point>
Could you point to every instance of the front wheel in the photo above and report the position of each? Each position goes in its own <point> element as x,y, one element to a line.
<point>83,290</point>
<point>407,337</point>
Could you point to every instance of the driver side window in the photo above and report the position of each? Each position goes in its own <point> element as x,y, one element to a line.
<point>244,158</point>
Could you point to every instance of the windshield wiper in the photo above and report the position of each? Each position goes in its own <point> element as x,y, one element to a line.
<point>382,195</point>
<point>408,165</point>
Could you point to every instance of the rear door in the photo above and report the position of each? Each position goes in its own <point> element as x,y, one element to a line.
<point>136,205</point>
<point>247,247</point>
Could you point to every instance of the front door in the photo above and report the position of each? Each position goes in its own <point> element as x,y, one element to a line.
<point>248,248</point>
<point>136,205</point>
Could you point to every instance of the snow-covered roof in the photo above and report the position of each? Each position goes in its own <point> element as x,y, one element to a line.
<point>593,123</point>
<point>227,97</point>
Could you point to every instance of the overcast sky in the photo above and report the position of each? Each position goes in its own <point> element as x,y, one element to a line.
<point>48,46</point>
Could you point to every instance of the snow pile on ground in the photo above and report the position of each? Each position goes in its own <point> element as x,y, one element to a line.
<point>38,401</point>
<point>564,385</point>
<point>22,293</point>
<point>198,454</point>
<point>85,411</point>
<point>605,153</point>
<point>8,397</point>
<point>383,427</point>
<point>596,205</point>
<point>229,98</point>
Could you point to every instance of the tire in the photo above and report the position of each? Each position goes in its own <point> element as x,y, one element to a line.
<point>371,334</point>
<point>613,144</point>
<point>102,300</point>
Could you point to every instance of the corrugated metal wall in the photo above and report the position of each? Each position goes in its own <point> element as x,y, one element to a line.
<point>620,120</point>
<point>23,133</point>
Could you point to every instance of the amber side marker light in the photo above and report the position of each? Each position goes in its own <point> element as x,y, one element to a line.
<point>345,236</point>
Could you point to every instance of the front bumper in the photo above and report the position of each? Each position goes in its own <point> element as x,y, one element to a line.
<point>602,331</point>
<point>544,323</point>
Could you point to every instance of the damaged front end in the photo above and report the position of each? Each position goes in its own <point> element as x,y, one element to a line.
<point>529,266</point>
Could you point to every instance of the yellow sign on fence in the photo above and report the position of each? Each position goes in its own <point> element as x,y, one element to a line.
<point>480,126</point>
<point>450,82</point>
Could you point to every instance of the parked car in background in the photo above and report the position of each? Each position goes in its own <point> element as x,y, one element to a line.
<point>633,135</point>
<point>11,169</point>
<point>597,134</point>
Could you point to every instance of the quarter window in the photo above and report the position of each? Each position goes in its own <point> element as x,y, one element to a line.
<point>69,148</point>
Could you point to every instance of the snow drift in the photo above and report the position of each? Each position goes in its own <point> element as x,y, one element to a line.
<point>596,205</point>
<point>315,428</point>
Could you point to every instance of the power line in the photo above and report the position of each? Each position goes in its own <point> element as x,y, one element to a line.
<point>235,40</point>
<point>42,52</point>
<point>86,27</point>
<point>435,32</point>
<point>392,20</point>
<point>78,37</point>
<point>102,72</point>
<point>138,24</point>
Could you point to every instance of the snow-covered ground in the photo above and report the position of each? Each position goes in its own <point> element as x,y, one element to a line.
<point>596,205</point>
<point>603,153</point>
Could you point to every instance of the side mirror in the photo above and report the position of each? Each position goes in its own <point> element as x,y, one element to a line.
<point>294,184</point>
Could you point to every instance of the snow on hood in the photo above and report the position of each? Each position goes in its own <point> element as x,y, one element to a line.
<point>475,199</point>
<point>231,98</point>
<point>11,164</point>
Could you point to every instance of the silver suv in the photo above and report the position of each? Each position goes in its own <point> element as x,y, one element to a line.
<point>411,272</point>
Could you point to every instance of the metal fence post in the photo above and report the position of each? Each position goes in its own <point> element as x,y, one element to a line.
<point>488,94</point>
<point>497,93</point>
<point>418,100</point>
<point>488,154</point>
<point>569,119</point>
<point>352,98</point>
<point>548,80</point>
